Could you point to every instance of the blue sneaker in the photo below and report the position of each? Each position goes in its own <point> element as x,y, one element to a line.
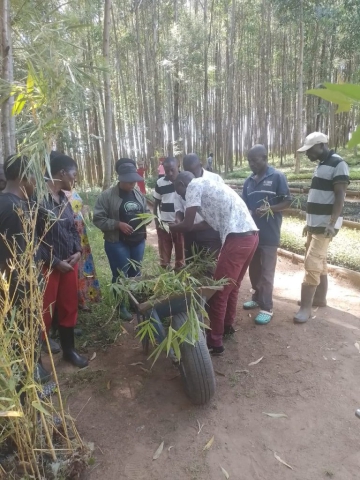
<point>263,317</point>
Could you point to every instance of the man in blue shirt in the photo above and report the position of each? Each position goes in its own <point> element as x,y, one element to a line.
<point>266,193</point>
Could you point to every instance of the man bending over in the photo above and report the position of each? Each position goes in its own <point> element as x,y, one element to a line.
<point>226,213</point>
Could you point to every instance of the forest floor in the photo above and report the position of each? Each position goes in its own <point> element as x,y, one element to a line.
<point>308,372</point>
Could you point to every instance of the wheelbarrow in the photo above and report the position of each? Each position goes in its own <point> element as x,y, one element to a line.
<point>195,365</point>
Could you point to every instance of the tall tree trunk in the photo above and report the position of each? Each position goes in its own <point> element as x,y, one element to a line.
<point>299,110</point>
<point>8,120</point>
<point>107,94</point>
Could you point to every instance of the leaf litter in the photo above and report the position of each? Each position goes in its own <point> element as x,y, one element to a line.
<point>256,361</point>
<point>275,415</point>
<point>209,444</point>
<point>158,451</point>
<point>226,475</point>
<point>282,461</point>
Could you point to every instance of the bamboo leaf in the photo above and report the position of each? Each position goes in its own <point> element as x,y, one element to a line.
<point>209,444</point>
<point>19,104</point>
<point>256,361</point>
<point>12,413</point>
<point>355,138</point>
<point>30,84</point>
<point>226,475</point>
<point>158,451</point>
<point>350,90</point>
<point>39,407</point>
<point>275,415</point>
<point>344,104</point>
<point>282,461</point>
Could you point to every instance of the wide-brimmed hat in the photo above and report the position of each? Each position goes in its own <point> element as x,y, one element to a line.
<point>314,138</point>
<point>128,174</point>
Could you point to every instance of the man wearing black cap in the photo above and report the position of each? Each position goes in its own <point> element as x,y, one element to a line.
<point>115,214</point>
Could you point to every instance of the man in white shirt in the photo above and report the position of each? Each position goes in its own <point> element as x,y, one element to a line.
<point>226,213</point>
<point>202,236</point>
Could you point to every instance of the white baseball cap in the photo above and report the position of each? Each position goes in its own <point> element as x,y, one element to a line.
<point>313,139</point>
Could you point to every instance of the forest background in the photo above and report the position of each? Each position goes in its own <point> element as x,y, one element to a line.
<point>151,78</point>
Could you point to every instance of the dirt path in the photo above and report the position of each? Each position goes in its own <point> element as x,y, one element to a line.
<point>310,373</point>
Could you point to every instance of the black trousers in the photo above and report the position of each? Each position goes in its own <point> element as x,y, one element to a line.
<point>262,273</point>
<point>207,240</point>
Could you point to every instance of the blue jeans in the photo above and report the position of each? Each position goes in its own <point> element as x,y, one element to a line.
<point>120,253</point>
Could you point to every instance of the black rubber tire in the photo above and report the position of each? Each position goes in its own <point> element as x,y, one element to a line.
<point>195,366</point>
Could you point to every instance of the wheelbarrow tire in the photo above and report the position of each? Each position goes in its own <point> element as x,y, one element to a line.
<point>195,366</point>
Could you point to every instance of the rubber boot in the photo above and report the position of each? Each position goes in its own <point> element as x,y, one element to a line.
<point>321,292</point>
<point>54,346</point>
<point>124,313</point>
<point>41,375</point>
<point>67,341</point>
<point>307,296</point>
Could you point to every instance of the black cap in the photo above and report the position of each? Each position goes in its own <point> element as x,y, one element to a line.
<point>128,174</point>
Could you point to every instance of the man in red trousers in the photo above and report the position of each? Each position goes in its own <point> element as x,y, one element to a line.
<point>225,212</point>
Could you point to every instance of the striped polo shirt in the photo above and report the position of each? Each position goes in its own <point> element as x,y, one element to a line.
<point>321,197</point>
<point>165,193</point>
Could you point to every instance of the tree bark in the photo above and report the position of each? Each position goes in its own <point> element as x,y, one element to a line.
<point>107,94</point>
<point>299,111</point>
<point>8,120</point>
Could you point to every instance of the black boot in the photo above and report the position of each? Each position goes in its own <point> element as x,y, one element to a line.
<point>307,296</point>
<point>321,292</point>
<point>41,375</point>
<point>67,341</point>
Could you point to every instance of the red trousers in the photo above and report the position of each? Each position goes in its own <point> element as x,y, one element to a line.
<point>234,260</point>
<point>61,292</point>
<point>166,241</point>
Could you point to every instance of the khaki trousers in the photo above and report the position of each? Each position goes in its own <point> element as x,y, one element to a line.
<point>315,258</point>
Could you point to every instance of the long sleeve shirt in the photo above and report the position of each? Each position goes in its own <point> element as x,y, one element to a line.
<point>57,221</point>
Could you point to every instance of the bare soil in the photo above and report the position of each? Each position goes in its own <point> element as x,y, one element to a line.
<point>308,372</point>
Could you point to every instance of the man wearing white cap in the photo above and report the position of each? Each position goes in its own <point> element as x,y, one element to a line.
<point>323,219</point>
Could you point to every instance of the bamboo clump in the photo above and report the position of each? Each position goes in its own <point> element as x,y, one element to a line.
<point>38,439</point>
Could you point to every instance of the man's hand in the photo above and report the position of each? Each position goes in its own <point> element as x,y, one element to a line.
<point>73,259</point>
<point>125,228</point>
<point>64,267</point>
<point>305,231</point>
<point>262,211</point>
<point>329,231</point>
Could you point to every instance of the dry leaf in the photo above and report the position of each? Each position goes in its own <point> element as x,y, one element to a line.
<point>11,413</point>
<point>108,386</point>
<point>145,370</point>
<point>208,445</point>
<point>93,356</point>
<point>242,371</point>
<point>220,373</point>
<point>136,363</point>
<point>357,346</point>
<point>158,451</point>
<point>200,426</point>
<point>225,472</point>
<point>171,446</point>
<point>276,415</point>
<point>256,362</point>
<point>282,461</point>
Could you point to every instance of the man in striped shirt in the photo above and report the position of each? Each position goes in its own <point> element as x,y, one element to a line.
<point>323,219</point>
<point>164,196</point>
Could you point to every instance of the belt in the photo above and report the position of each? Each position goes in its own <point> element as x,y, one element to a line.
<point>242,234</point>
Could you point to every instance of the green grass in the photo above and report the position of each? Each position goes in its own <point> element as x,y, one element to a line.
<point>341,251</point>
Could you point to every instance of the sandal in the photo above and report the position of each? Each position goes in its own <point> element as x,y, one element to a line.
<point>263,317</point>
<point>250,305</point>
